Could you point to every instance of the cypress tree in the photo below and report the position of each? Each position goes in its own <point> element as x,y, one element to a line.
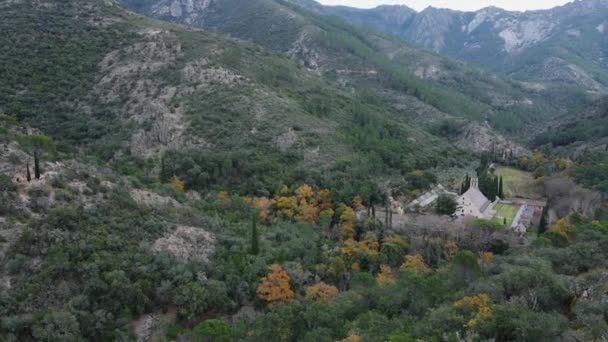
<point>163,176</point>
<point>542,225</point>
<point>27,172</point>
<point>501,192</point>
<point>36,165</point>
<point>255,248</point>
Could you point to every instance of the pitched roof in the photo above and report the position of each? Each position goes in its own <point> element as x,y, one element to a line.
<point>475,196</point>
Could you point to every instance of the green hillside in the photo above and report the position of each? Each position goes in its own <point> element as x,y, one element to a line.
<point>420,84</point>
<point>159,182</point>
<point>227,114</point>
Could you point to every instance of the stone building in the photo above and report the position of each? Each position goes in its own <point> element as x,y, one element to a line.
<point>473,202</point>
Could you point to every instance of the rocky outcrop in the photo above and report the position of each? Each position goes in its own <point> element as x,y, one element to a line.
<point>481,138</point>
<point>187,244</point>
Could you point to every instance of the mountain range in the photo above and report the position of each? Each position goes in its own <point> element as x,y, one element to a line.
<point>407,77</point>
<point>566,44</point>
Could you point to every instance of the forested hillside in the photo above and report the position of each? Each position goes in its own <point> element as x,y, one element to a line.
<point>161,182</point>
<point>429,86</point>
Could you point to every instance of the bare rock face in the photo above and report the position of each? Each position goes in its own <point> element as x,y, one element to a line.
<point>555,69</point>
<point>286,140</point>
<point>190,11</point>
<point>480,138</point>
<point>152,199</point>
<point>187,243</point>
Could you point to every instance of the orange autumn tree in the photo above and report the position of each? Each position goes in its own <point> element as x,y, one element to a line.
<point>307,212</point>
<point>321,291</point>
<point>275,286</point>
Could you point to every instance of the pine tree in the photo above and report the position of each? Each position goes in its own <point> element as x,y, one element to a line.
<point>255,249</point>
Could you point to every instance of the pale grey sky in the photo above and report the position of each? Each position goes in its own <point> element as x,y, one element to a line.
<point>465,5</point>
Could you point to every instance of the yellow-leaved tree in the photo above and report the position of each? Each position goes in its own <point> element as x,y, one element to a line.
<point>385,276</point>
<point>275,286</point>
<point>562,227</point>
<point>287,206</point>
<point>478,308</point>
<point>324,201</point>
<point>348,220</point>
<point>305,192</point>
<point>321,291</point>
<point>177,184</point>
<point>357,203</point>
<point>414,263</point>
<point>307,212</point>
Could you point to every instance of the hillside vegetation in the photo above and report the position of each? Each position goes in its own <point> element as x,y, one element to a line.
<point>159,182</point>
<point>422,87</point>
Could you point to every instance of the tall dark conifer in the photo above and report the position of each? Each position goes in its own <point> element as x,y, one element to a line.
<point>27,172</point>
<point>36,165</point>
<point>542,225</point>
<point>255,248</point>
<point>501,192</point>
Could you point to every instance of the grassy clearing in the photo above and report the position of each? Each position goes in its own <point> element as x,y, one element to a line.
<point>507,211</point>
<point>517,183</point>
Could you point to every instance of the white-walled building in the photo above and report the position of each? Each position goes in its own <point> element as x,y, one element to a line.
<point>473,202</point>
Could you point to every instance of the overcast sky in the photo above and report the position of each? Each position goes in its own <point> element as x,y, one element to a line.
<point>465,5</point>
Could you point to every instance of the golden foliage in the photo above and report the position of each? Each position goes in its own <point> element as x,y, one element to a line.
<point>287,206</point>
<point>538,158</point>
<point>418,173</point>
<point>223,196</point>
<point>369,246</point>
<point>395,240</point>
<point>321,291</point>
<point>357,203</point>
<point>480,305</point>
<point>562,227</point>
<point>352,338</point>
<point>304,192</point>
<point>284,190</point>
<point>324,200</point>
<point>486,257</point>
<point>355,267</point>
<point>177,184</point>
<point>563,164</point>
<point>414,263</point>
<point>307,212</point>
<point>275,286</point>
<point>348,219</point>
<point>385,276</point>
